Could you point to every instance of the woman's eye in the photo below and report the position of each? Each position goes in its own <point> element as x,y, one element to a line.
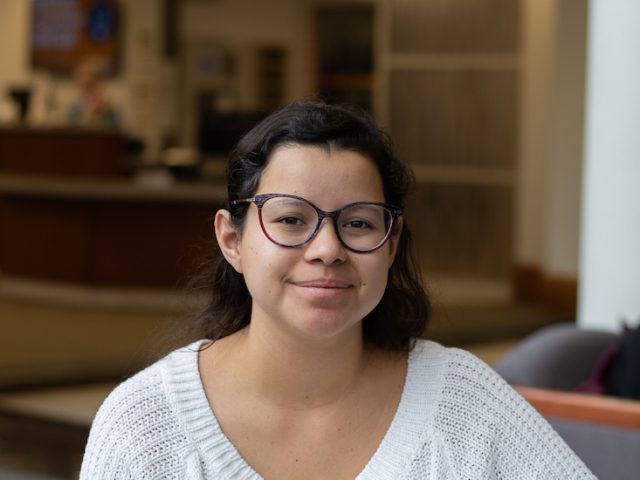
<point>358,224</point>
<point>290,221</point>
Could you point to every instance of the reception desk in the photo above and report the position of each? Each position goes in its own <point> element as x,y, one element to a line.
<point>63,152</point>
<point>104,232</point>
<point>69,213</point>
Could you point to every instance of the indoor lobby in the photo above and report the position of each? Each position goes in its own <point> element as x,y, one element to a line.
<point>117,119</point>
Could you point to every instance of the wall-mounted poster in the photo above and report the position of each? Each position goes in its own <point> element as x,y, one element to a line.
<point>66,32</point>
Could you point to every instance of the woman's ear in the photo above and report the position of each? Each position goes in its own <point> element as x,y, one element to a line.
<point>228,237</point>
<point>394,239</point>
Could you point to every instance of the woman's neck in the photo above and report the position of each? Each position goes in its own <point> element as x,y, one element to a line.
<point>294,373</point>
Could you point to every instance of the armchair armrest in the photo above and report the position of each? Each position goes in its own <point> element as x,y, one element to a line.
<point>594,409</point>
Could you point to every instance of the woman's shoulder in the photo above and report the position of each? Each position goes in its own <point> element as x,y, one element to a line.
<point>143,388</point>
<point>134,401</point>
<point>477,415</point>
<point>450,362</point>
<point>141,415</point>
<point>148,392</point>
<point>462,380</point>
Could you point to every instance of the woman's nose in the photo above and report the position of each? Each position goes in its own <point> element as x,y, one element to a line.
<point>325,246</point>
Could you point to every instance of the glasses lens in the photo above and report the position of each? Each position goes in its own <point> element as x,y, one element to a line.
<point>288,221</point>
<point>364,226</point>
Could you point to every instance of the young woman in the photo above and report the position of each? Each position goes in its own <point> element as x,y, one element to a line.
<point>309,365</point>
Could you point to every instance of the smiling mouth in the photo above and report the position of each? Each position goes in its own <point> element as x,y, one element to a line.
<point>324,284</point>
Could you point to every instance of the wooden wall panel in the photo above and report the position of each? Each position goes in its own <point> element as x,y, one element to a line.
<point>455,118</point>
<point>463,229</point>
<point>451,99</point>
<point>109,243</point>
<point>455,26</point>
<point>146,244</point>
<point>44,239</point>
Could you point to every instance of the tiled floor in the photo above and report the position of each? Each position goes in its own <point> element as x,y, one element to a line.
<point>30,445</point>
<point>70,405</point>
<point>65,344</point>
<point>9,474</point>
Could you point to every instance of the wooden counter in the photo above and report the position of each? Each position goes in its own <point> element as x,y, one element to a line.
<point>107,232</point>
<point>60,151</point>
<point>21,186</point>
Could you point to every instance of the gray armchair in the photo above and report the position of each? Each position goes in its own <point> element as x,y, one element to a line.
<point>547,367</point>
<point>558,357</point>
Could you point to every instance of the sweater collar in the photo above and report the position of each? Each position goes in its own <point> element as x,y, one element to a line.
<point>415,412</point>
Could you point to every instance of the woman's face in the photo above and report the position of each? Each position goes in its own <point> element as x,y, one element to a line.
<point>320,289</point>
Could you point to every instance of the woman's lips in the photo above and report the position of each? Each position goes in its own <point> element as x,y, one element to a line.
<point>323,283</point>
<point>323,289</point>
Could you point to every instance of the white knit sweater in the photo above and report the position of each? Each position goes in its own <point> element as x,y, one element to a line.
<point>457,419</point>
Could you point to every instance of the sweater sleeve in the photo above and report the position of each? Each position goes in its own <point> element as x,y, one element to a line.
<point>105,455</point>
<point>135,434</point>
<point>493,433</point>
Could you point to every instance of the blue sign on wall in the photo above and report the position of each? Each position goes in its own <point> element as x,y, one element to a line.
<point>101,22</point>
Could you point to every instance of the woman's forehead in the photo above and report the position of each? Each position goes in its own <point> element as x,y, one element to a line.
<point>315,171</point>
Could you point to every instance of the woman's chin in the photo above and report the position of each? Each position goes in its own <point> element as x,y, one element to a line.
<point>327,328</point>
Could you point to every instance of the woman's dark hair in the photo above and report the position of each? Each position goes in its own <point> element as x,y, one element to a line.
<point>403,311</point>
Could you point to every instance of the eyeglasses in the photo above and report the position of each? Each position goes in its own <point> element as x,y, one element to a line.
<point>291,221</point>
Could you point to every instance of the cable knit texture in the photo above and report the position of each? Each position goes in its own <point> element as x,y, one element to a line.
<point>457,419</point>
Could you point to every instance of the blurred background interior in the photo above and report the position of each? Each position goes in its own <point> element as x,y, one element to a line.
<point>116,118</point>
